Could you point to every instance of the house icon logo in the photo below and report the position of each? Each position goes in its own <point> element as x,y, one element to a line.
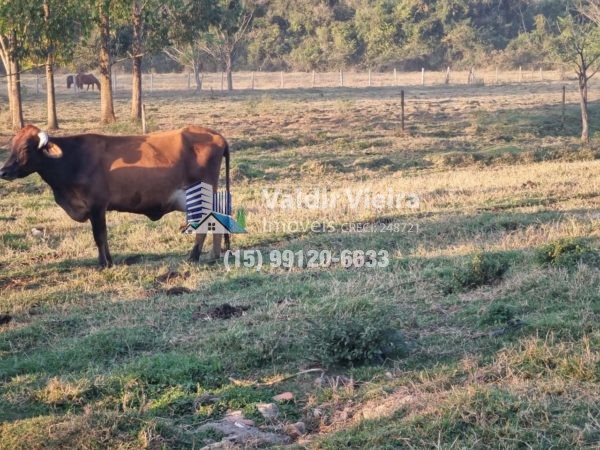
<point>208,212</point>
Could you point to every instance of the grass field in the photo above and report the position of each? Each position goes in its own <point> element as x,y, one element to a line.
<point>484,330</point>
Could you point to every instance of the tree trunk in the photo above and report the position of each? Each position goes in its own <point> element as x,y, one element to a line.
<point>8,46</point>
<point>107,112</point>
<point>585,131</point>
<point>15,94</point>
<point>4,54</point>
<point>229,71</point>
<point>197,68</point>
<point>136,88</point>
<point>51,98</point>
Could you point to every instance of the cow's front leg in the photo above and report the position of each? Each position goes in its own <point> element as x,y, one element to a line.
<point>197,248</point>
<point>98,219</point>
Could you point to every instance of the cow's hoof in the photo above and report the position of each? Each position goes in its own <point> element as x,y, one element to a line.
<point>194,256</point>
<point>213,260</point>
<point>104,265</point>
<point>193,259</point>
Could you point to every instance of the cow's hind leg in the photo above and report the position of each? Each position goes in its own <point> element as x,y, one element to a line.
<point>197,248</point>
<point>108,255</point>
<point>98,220</point>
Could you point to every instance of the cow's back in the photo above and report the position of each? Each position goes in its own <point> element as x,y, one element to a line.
<point>147,174</point>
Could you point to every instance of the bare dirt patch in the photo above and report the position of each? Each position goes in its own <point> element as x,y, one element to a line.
<point>221,312</point>
<point>5,319</point>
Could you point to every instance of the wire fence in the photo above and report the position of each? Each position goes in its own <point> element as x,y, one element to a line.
<point>161,82</point>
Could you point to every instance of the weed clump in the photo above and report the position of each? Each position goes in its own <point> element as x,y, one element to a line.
<point>482,269</point>
<point>498,314</point>
<point>355,333</point>
<point>243,171</point>
<point>454,159</point>
<point>567,252</point>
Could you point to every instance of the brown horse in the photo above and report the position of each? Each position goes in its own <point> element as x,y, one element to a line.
<point>88,79</point>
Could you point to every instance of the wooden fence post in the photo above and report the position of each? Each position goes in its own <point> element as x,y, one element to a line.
<point>252,81</point>
<point>520,74</point>
<point>447,78</point>
<point>313,78</point>
<point>402,109</point>
<point>422,76</point>
<point>562,112</point>
<point>144,130</point>
<point>37,83</point>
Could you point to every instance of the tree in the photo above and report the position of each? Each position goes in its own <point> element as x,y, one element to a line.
<point>189,55</point>
<point>591,10</point>
<point>10,59</point>
<point>224,39</point>
<point>188,21</point>
<point>149,33</point>
<point>50,94</point>
<point>578,44</point>
<point>107,111</point>
<point>136,88</point>
<point>14,23</point>
<point>61,26</point>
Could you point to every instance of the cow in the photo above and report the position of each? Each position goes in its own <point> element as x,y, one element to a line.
<point>70,81</point>
<point>90,174</point>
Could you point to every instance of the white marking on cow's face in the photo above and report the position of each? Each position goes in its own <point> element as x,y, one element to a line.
<point>177,199</point>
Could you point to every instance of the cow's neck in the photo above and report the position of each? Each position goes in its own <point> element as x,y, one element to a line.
<point>55,176</point>
<point>61,176</point>
<point>60,172</point>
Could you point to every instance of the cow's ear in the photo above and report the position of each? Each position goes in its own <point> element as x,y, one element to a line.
<point>51,150</point>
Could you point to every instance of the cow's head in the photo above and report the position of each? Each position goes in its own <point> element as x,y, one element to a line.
<point>30,149</point>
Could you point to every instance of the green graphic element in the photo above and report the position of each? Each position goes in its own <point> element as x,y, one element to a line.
<point>241,217</point>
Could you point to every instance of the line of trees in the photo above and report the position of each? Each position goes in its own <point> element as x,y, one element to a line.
<point>35,34</point>
<point>285,34</point>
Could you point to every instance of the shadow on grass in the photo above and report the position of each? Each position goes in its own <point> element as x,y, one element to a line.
<point>151,360</point>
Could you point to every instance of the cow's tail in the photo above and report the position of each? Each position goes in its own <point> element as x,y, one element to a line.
<point>227,192</point>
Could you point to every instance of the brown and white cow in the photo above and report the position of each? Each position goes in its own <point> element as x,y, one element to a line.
<point>91,173</point>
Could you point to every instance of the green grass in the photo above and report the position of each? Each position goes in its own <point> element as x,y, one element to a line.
<point>481,333</point>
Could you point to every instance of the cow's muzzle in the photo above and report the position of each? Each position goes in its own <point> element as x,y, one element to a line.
<point>8,173</point>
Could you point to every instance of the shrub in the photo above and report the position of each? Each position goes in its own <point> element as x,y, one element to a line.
<point>567,252</point>
<point>480,270</point>
<point>355,333</point>
<point>498,314</point>
<point>174,368</point>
